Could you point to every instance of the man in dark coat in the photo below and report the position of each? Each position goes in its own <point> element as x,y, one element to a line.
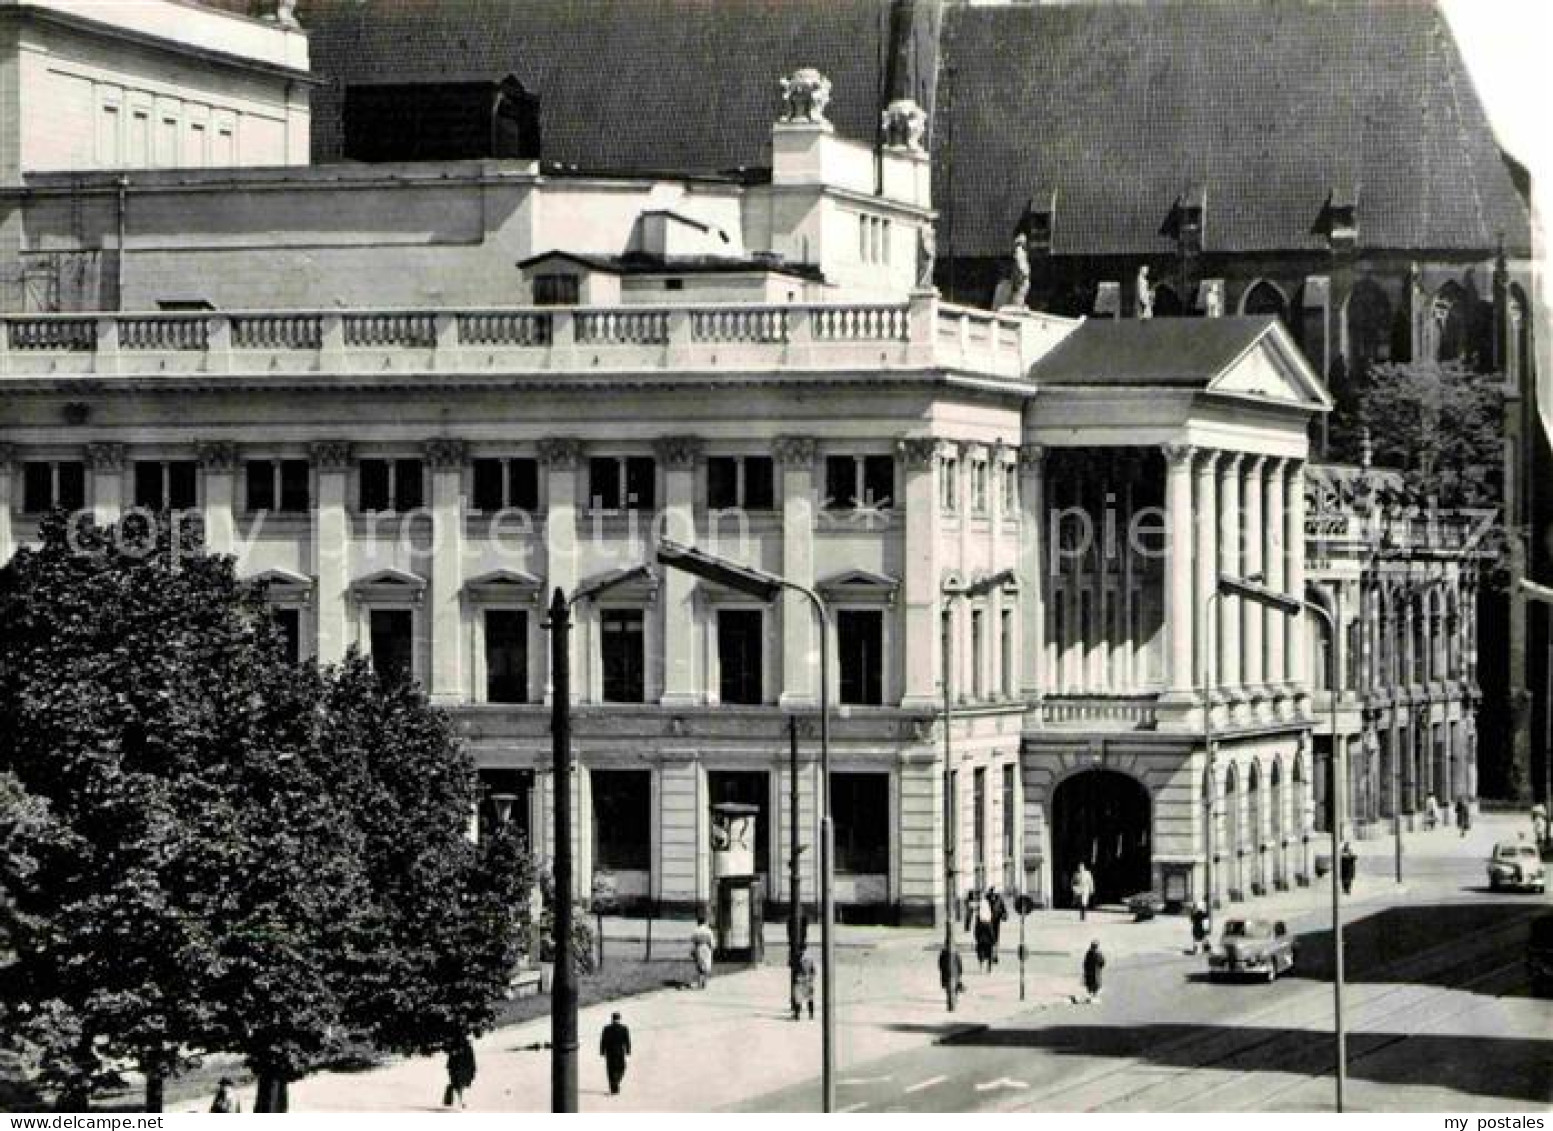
<point>950,966</point>
<point>614,1047</point>
<point>1347,866</point>
<point>1094,963</point>
<point>999,916</point>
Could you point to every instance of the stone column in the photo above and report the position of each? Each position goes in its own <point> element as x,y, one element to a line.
<point>446,458</point>
<point>105,463</point>
<point>1205,517</point>
<point>1253,616</point>
<point>918,454</point>
<point>1229,562</point>
<point>331,549</point>
<point>800,645</point>
<point>7,501</point>
<point>1178,565</point>
<point>219,460</point>
<point>1298,627</point>
<point>679,456</point>
<point>1032,570</point>
<point>1276,566</point>
<point>560,456</point>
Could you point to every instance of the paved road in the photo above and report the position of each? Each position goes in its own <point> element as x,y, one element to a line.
<point>1438,1010</point>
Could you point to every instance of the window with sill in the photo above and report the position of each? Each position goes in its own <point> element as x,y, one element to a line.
<point>557,290</point>
<point>1008,666</point>
<point>166,484</point>
<point>860,806</point>
<point>857,481</point>
<point>622,655</point>
<point>860,648</point>
<point>740,648</point>
<point>978,636</point>
<point>50,484</point>
<point>280,485</point>
<point>506,656</point>
<point>392,633</point>
<point>391,485</point>
<point>500,484</point>
<point>747,482</point>
<point>1010,476</point>
<point>949,484</point>
<point>979,486</point>
<point>288,624</point>
<point>622,820</point>
<point>621,483</point>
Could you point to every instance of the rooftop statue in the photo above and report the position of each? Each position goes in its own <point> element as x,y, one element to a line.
<point>805,94</point>
<point>1019,278</point>
<point>904,124</point>
<point>1145,293</point>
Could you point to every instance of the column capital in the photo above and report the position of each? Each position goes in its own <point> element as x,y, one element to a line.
<point>1207,460</point>
<point>1254,462</point>
<point>218,455</point>
<point>1293,468</point>
<point>105,457</point>
<point>1229,462</point>
<point>330,454</point>
<point>445,452</point>
<point>678,451</point>
<point>1178,455</point>
<point>918,451</point>
<point>795,451</point>
<point>560,452</point>
<point>1032,455</point>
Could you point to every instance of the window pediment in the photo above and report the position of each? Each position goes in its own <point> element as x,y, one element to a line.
<point>284,585</point>
<point>859,585</point>
<point>389,585</point>
<point>504,585</point>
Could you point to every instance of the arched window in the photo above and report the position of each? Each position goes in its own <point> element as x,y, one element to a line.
<point>1367,319</point>
<point>1514,363</point>
<point>1445,324</point>
<point>1167,304</point>
<point>1265,298</point>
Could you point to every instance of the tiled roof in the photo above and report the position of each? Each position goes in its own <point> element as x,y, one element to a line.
<point>688,85</point>
<point>1182,352</point>
<point>1267,104</point>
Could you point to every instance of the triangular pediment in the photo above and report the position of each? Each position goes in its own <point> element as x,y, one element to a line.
<point>515,584</point>
<point>859,583</point>
<point>389,585</point>
<point>281,579</point>
<point>1272,369</point>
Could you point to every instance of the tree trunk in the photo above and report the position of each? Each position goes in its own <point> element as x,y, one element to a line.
<point>156,1083</point>
<point>274,1094</point>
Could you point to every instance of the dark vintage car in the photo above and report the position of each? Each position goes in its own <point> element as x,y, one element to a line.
<point>1539,954</point>
<point>1516,866</point>
<point>1256,947</point>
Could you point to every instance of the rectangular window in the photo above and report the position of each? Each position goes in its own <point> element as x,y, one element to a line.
<point>617,483</point>
<point>852,481</point>
<point>978,666</point>
<point>860,640</point>
<point>840,482</point>
<point>49,484</point>
<point>946,650</point>
<point>740,481</point>
<point>166,485</point>
<point>556,290</point>
<point>393,645</point>
<point>979,486</point>
<point>949,484</point>
<point>1009,666</point>
<point>622,820</point>
<point>288,622</point>
<point>860,805</point>
<point>979,823</point>
<point>878,480</point>
<point>503,483</point>
<point>390,484</point>
<point>623,655</point>
<point>740,643</point>
<point>1010,490</point>
<point>506,656</point>
<point>278,485</point>
<point>1010,815</point>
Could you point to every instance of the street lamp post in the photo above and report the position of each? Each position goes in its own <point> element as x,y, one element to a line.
<point>766,587</point>
<point>563,989</point>
<point>951,847</point>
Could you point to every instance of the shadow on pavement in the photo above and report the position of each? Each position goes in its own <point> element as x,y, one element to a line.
<point>1499,1067</point>
<point>1372,944</point>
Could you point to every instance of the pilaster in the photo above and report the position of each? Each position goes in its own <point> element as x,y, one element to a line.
<point>105,465</point>
<point>1229,562</point>
<point>1032,570</point>
<point>1253,614</point>
<point>679,457</point>
<point>332,549</point>
<point>219,460</point>
<point>1298,627</point>
<point>1206,510</point>
<point>445,457</point>
<point>1178,566</point>
<point>918,454</point>
<point>800,656</point>
<point>1277,569</point>
<point>7,500</point>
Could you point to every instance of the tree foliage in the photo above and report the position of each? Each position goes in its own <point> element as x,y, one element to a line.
<point>208,848</point>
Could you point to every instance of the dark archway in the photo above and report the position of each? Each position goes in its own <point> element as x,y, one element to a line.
<point>1102,818</point>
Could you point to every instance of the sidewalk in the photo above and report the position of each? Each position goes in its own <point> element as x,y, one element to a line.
<point>701,1050</point>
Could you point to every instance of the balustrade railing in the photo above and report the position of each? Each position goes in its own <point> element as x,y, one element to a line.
<point>52,334</point>
<point>277,331</point>
<point>622,326</point>
<point>173,333</point>
<point>758,324</point>
<point>504,328</point>
<point>1128,711</point>
<point>408,330</point>
<point>872,323</point>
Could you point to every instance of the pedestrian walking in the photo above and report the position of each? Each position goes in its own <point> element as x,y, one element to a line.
<point>999,917</point>
<point>1202,927</point>
<point>1539,827</point>
<point>701,944</point>
<point>226,1101</point>
<point>1347,866</point>
<point>1431,812</point>
<point>461,1072</point>
<point>1094,964</point>
<point>1463,814</point>
<point>615,1047</point>
<point>978,921</point>
<point>951,971</point>
<point>1083,889</point>
<point>803,985</point>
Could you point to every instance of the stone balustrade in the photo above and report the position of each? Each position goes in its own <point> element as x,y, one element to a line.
<point>1100,712</point>
<point>922,333</point>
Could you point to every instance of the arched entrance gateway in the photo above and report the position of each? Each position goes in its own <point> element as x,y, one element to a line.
<point>1102,818</point>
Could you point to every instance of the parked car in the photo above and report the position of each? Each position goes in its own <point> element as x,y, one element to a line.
<point>1252,946</point>
<point>1145,905</point>
<point>1539,954</point>
<point>1516,865</point>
